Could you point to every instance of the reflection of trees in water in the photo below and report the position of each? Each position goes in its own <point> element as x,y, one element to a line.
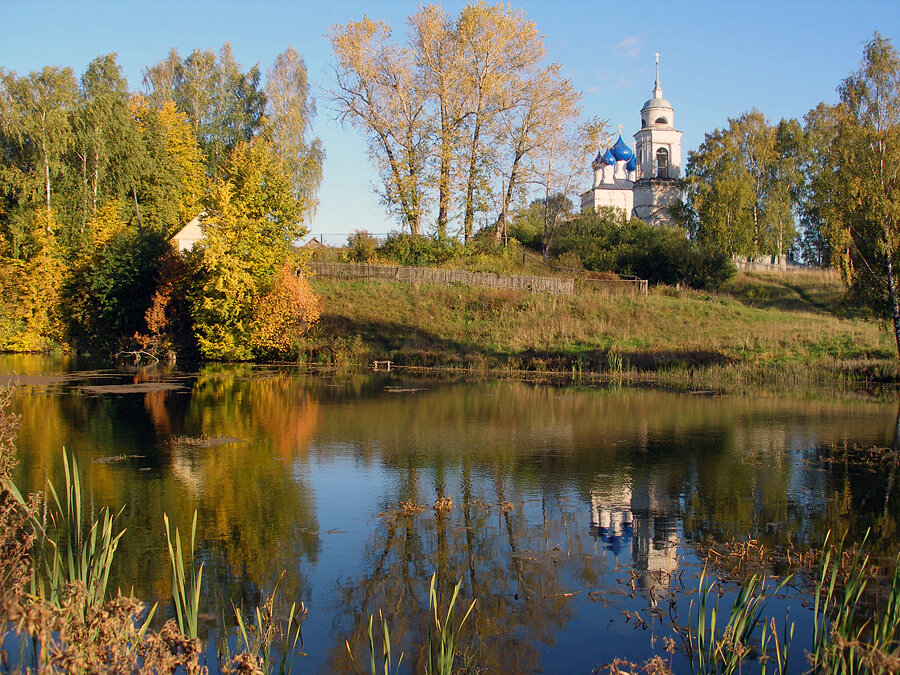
<point>258,517</point>
<point>521,567</point>
<point>721,467</point>
<point>257,514</point>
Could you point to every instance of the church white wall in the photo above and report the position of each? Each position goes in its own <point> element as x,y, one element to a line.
<point>653,200</point>
<point>621,197</point>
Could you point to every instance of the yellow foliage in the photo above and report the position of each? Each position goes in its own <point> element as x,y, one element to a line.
<point>182,147</point>
<point>29,294</point>
<point>283,315</point>
<point>106,224</point>
<point>181,144</point>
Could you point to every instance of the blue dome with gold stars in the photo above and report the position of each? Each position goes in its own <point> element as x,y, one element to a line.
<point>621,151</point>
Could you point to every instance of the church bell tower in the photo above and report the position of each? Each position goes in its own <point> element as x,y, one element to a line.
<point>658,159</point>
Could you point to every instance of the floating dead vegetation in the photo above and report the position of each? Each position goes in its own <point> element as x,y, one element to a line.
<point>855,455</point>
<point>31,380</point>
<point>132,388</point>
<point>115,460</point>
<point>404,390</point>
<point>443,505</point>
<point>410,508</point>
<point>738,557</point>
<point>203,441</point>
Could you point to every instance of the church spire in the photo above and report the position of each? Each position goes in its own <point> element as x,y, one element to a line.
<point>657,89</point>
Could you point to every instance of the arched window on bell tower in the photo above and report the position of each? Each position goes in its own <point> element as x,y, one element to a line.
<point>662,163</point>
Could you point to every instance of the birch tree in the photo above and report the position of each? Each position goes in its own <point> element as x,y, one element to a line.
<point>35,117</point>
<point>864,217</point>
<point>741,184</point>
<point>499,48</point>
<point>377,90</point>
<point>290,111</point>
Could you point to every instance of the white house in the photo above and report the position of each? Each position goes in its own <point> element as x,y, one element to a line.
<point>188,235</point>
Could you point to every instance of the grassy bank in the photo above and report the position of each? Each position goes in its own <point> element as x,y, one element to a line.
<point>778,327</point>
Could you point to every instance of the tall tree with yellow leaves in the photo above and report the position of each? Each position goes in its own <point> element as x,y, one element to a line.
<point>377,89</point>
<point>499,49</point>
<point>440,108</point>
<point>253,217</point>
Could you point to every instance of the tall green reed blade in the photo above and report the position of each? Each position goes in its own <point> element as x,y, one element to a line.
<point>293,615</point>
<point>387,657</point>
<point>441,651</point>
<point>74,557</point>
<point>885,629</point>
<point>836,632</point>
<point>185,589</point>
<point>725,653</point>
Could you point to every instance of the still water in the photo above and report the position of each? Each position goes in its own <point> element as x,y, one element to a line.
<point>571,506</point>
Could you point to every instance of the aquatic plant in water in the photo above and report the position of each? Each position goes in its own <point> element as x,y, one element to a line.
<point>443,637</point>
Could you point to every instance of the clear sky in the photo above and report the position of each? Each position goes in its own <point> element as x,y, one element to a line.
<point>718,59</point>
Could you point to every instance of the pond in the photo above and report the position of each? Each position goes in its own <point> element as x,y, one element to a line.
<point>576,515</point>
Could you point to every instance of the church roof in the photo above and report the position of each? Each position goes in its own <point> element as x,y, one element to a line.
<point>609,158</point>
<point>631,165</point>
<point>621,151</point>
<point>656,103</point>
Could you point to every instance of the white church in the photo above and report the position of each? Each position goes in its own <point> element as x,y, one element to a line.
<point>644,181</point>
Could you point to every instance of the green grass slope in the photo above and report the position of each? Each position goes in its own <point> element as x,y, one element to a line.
<point>786,326</point>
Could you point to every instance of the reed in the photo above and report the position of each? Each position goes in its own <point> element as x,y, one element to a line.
<point>74,551</point>
<point>712,651</point>
<point>387,659</point>
<point>185,588</point>
<point>844,642</point>
<point>258,640</point>
<point>443,635</point>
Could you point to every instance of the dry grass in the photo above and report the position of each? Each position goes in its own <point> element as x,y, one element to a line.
<point>787,325</point>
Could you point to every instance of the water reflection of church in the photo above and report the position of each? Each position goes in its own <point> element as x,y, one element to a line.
<point>641,515</point>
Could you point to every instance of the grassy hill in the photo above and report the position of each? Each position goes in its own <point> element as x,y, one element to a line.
<point>761,327</point>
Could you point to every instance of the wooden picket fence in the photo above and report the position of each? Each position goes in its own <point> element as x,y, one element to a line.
<point>429,275</point>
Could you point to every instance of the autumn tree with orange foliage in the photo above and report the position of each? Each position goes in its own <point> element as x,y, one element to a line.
<point>282,316</point>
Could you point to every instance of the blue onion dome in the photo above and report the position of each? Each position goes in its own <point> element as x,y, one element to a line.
<point>598,161</point>
<point>621,151</point>
<point>609,158</point>
<point>631,165</point>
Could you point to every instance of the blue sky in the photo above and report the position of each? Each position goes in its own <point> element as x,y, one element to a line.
<point>718,59</point>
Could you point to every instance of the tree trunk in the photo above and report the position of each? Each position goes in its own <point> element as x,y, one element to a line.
<point>500,231</point>
<point>137,210</point>
<point>84,190</point>
<point>444,193</point>
<point>895,301</point>
<point>46,183</point>
<point>96,177</point>
<point>46,168</point>
<point>469,219</point>
<point>444,177</point>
